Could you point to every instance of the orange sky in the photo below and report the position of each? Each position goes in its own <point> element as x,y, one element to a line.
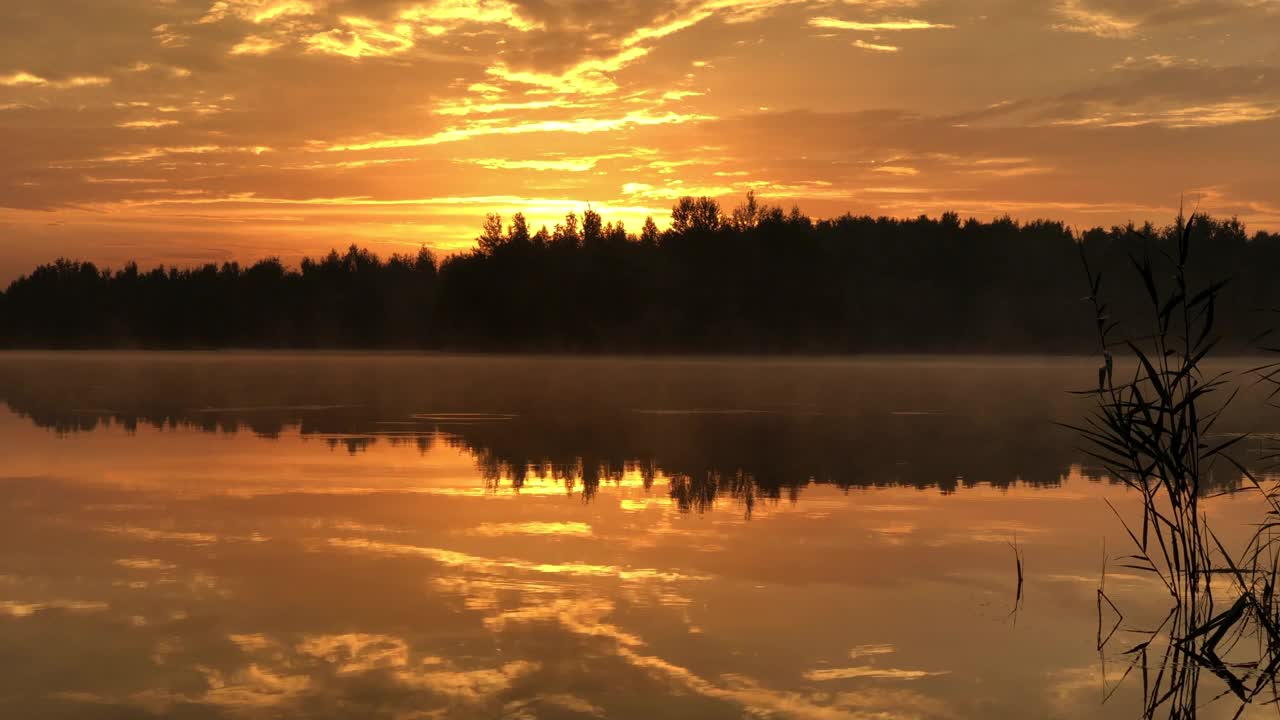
<point>192,130</point>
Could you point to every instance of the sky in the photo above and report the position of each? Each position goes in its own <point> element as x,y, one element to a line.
<point>190,131</point>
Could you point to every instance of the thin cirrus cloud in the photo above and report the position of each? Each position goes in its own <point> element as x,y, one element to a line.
<point>876,47</point>
<point>1077,16</point>
<point>564,529</point>
<point>1184,117</point>
<point>1123,19</point>
<point>362,38</point>
<point>23,78</point>
<point>569,165</point>
<point>558,164</point>
<point>256,11</point>
<point>146,124</point>
<point>577,126</point>
<point>831,23</point>
<point>355,36</point>
<point>255,45</point>
<point>867,671</point>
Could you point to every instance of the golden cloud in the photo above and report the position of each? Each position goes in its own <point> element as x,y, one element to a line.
<point>581,126</point>
<point>23,78</point>
<point>831,23</point>
<point>255,45</point>
<point>875,47</point>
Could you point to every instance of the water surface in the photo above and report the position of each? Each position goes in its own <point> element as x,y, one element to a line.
<point>368,536</point>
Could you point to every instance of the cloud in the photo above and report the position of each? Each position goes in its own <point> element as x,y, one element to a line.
<point>831,23</point>
<point>568,529</point>
<point>438,17</point>
<point>146,124</point>
<point>1119,19</point>
<point>1160,92</point>
<point>169,37</point>
<point>357,37</point>
<point>83,81</point>
<point>152,153</point>
<point>26,609</point>
<point>481,564</point>
<point>588,77</point>
<point>349,654</point>
<point>251,687</point>
<point>616,45</point>
<point>361,38</point>
<point>468,107</point>
<point>257,11</point>
<point>1190,116</point>
<point>884,4</point>
<point>565,165</point>
<point>587,617</point>
<point>578,126</point>
<point>469,686</point>
<point>871,650</point>
<point>875,47</point>
<point>141,533</point>
<point>867,671</point>
<point>23,78</point>
<point>1078,17</point>
<point>1152,62</point>
<point>145,564</point>
<point>255,45</point>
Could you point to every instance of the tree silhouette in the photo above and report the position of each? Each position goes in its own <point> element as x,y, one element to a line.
<point>754,279</point>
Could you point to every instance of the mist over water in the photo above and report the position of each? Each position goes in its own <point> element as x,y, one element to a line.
<point>404,536</point>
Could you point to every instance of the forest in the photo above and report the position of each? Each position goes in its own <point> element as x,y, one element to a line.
<point>751,279</point>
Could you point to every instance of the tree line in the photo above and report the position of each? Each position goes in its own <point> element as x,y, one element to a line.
<point>754,278</point>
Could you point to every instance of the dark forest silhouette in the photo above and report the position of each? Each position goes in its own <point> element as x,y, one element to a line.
<point>754,279</point>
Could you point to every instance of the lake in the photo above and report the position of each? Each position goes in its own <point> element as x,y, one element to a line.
<point>401,536</point>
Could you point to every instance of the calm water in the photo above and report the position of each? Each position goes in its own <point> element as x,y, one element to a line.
<point>348,536</point>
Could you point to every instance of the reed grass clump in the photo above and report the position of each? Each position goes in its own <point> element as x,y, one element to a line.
<point>1153,427</point>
